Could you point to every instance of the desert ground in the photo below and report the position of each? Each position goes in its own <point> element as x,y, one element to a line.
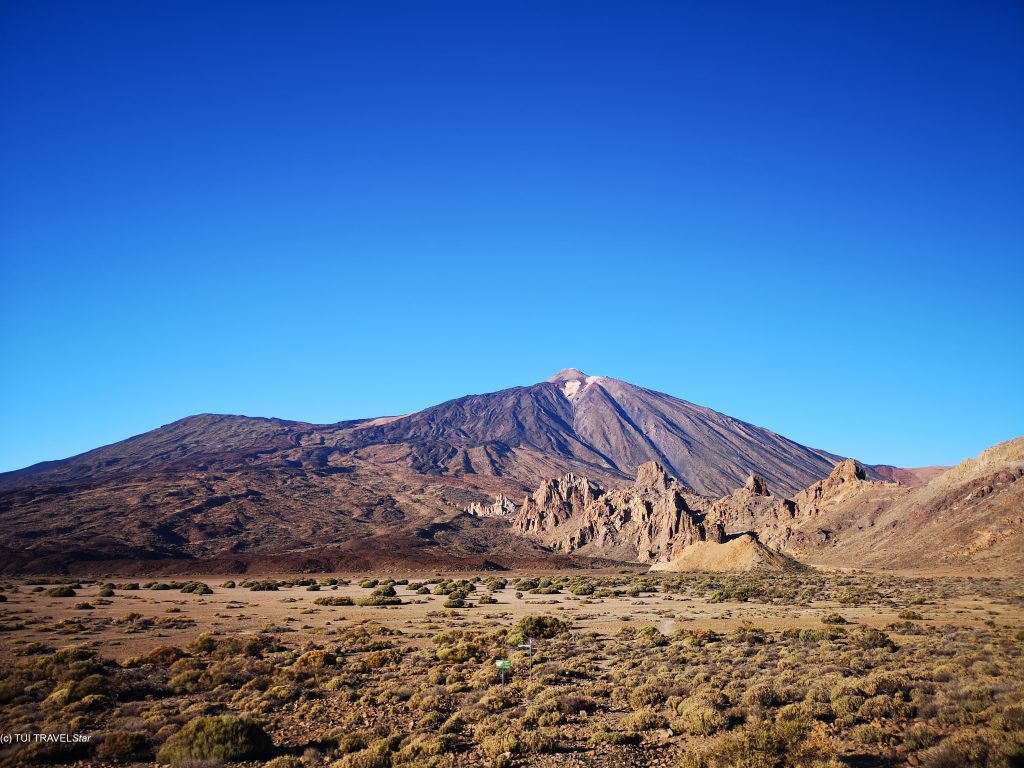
<point>628,669</point>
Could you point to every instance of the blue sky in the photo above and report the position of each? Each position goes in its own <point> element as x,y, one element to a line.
<point>806,215</point>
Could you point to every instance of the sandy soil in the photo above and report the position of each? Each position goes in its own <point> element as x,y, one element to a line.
<point>33,617</point>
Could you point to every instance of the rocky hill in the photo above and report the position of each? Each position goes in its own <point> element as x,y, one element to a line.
<point>969,516</point>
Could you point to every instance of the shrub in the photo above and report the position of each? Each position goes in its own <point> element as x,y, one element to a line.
<point>262,586</point>
<point>645,719</point>
<point>785,744</point>
<point>500,743</point>
<point>699,717</point>
<point>377,756</point>
<point>61,592</point>
<point>124,747</point>
<point>285,761</point>
<point>539,741</point>
<point>456,600</point>
<point>868,734</point>
<point>333,601</point>
<point>646,695</point>
<point>762,695</point>
<point>833,618</point>
<point>378,600</point>
<point>537,627</point>
<point>318,659</point>
<point>602,737</point>
<point>223,737</point>
<point>379,659</point>
<point>573,704</point>
<point>197,588</point>
<point>871,638</point>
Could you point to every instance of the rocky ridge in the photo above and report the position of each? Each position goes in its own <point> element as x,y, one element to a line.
<point>973,512</point>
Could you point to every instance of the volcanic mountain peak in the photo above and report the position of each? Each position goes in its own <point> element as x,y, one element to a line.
<point>573,382</point>
<point>568,374</point>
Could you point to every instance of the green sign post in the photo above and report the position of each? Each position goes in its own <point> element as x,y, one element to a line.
<point>503,664</point>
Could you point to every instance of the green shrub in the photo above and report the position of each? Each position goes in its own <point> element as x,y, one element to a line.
<point>333,601</point>
<point>197,588</point>
<point>61,592</point>
<point>537,627</point>
<point>285,761</point>
<point>785,744</point>
<point>377,600</point>
<point>262,586</point>
<point>699,717</point>
<point>645,719</point>
<point>223,737</point>
<point>870,638</point>
<point>318,659</point>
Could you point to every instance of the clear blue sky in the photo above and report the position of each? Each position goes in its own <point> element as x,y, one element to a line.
<point>806,215</point>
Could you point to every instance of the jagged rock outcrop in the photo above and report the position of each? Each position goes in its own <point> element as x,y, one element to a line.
<point>753,508</point>
<point>969,514</point>
<point>502,506</point>
<point>847,478</point>
<point>657,520</point>
<point>639,523</point>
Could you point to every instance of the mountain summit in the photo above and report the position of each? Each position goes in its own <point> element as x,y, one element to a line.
<point>597,425</point>
<point>209,484</point>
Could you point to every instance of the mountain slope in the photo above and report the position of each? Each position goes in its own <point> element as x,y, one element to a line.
<point>971,515</point>
<point>210,486</point>
<point>598,426</point>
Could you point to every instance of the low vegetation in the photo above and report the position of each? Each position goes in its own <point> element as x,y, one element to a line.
<point>673,671</point>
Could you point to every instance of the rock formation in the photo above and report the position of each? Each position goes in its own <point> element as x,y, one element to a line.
<point>502,506</point>
<point>972,512</point>
<point>753,508</point>
<point>639,523</point>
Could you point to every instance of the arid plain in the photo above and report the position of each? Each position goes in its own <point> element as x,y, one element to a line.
<point>629,669</point>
